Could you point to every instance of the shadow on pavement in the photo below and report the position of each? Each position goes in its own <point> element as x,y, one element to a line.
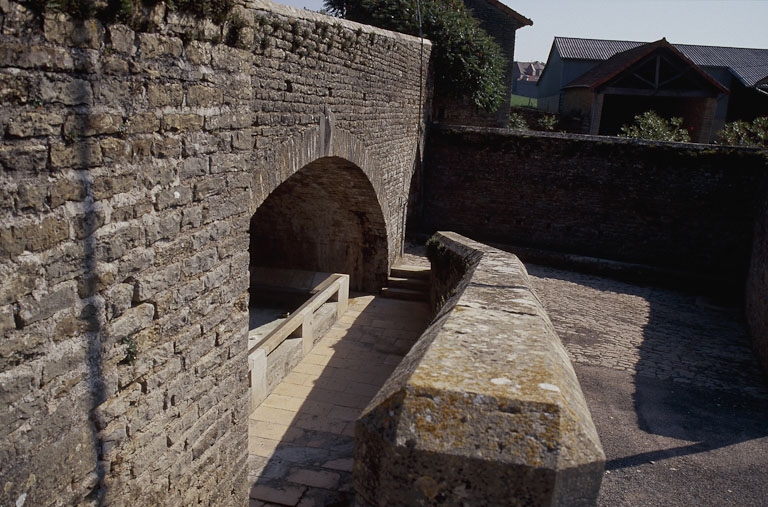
<point>676,393</point>
<point>301,438</point>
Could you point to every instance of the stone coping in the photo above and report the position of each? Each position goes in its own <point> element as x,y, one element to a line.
<point>486,408</point>
<point>295,12</point>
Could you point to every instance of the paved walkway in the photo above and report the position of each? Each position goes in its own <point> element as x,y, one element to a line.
<point>301,438</point>
<point>676,394</point>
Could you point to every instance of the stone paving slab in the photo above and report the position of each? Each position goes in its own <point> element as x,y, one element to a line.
<point>675,392</point>
<point>301,438</point>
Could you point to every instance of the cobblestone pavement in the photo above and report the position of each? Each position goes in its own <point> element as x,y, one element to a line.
<point>676,394</point>
<point>648,331</point>
<point>301,438</point>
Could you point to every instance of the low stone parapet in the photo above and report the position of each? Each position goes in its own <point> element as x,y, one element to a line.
<point>486,408</point>
<point>273,355</point>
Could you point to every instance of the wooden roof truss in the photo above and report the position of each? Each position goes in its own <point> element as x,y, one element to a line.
<point>660,75</point>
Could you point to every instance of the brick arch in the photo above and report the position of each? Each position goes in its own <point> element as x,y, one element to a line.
<point>318,204</point>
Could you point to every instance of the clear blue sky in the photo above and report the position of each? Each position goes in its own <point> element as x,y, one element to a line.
<point>737,23</point>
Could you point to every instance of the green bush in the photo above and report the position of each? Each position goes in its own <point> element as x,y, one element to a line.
<point>653,127</point>
<point>547,123</point>
<point>742,133</point>
<point>123,10</point>
<point>468,62</point>
<point>517,122</point>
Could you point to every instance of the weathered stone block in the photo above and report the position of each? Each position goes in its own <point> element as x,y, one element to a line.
<point>87,125</point>
<point>65,262</point>
<point>182,122</point>
<point>132,321</point>
<point>31,195</point>
<point>224,206</point>
<point>204,96</point>
<point>201,261</point>
<point>112,65</point>
<point>150,283</point>
<point>105,186</point>
<point>198,143</point>
<point>142,123</point>
<point>172,197</point>
<point>32,309</point>
<point>115,240</point>
<point>152,45</point>
<point>61,29</point>
<point>41,57</point>
<point>67,91</point>
<point>7,322</point>
<point>228,162</point>
<point>37,236</point>
<point>229,120</point>
<point>122,39</point>
<point>80,154</point>
<point>35,124</point>
<point>166,147</point>
<point>84,224</point>
<point>191,167</point>
<point>242,140</point>
<point>210,186</point>
<point>115,150</point>
<point>165,225</point>
<point>161,95</point>
<point>67,188</point>
<point>486,407</point>
<point>191,217</point>
<point>14,89</point>
<point>24,157</point>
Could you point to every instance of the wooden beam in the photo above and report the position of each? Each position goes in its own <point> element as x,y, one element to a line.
<point>688,94</point>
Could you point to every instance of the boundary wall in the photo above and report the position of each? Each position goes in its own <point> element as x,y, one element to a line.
<point>664,213</point>
<point>132,159</point>
<point>756,307</point>
<point>677,207</point>
<point>485,409</point>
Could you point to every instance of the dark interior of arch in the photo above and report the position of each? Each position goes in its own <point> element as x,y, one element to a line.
<point>326,217</point>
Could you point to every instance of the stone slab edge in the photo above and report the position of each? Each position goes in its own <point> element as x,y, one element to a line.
<point>486,407</point>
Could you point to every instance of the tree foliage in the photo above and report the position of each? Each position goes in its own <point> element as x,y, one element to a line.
<point>742,133</point>
<point>468,62</point>
<point>653,127</point>
<point>124,10</point>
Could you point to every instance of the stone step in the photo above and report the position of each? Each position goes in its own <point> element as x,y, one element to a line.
<point>418,284</point>
<point>405,271</point>
<point>404,294</point>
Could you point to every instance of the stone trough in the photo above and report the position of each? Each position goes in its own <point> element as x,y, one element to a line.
<point>486,408</point>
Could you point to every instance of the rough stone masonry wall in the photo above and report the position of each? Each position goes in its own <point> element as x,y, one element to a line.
<point>128,165</point>
<point>679,207</point>
<point>757,289</point>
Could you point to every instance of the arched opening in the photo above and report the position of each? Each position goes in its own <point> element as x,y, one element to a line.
<point>326,217</point>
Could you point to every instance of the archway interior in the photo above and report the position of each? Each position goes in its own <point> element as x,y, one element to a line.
<point>325,217</point>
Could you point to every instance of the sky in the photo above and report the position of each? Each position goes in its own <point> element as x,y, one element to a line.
<point>735,23</point>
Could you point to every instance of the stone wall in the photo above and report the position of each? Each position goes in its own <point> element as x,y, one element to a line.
<point>485,409</point>
<point>757,289</point>
<point>679,207</point>
<point>131,164</point>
